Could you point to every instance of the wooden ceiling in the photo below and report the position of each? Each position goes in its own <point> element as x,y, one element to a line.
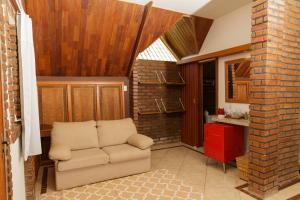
<point>187,36</point>
<point>93,37</point>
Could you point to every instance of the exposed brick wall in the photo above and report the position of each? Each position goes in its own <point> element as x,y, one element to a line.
<point>163,128</point>
<point>274,110</point>
<point>9,69</point>
<point>31,169</point>
<point>11,94</point>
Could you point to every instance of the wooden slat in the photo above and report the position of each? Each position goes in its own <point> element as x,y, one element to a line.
<point>222,53</point>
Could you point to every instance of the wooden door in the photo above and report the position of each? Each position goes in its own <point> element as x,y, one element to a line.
<point>111,102</point>
<point>52,104</point>
<point>2,154</point>
<point>192,119</point>
<point>83,101</point>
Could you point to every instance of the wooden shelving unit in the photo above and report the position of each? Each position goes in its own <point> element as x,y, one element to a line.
<point>178,109</point>
<point>176,80</point>
<point>157,81</point>
<point>154,112</point>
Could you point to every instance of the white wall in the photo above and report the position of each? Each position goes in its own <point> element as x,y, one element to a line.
<point>230,30</point>
<point>222,104</point>
<point>18,176</point>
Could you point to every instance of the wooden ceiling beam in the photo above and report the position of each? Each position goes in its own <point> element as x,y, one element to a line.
<point>222,53</point>
<point>135,52</point>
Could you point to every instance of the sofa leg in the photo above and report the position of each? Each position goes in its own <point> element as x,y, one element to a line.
<point>224,167</point>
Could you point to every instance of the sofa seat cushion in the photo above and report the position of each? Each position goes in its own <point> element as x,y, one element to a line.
<point>125,152</point>
<point>84,158</point>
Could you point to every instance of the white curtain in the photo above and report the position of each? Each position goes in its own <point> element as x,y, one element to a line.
<point>31,141</point>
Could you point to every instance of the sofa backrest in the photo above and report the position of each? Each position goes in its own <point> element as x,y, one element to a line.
<point>114,132</point>
<point>76,135</point>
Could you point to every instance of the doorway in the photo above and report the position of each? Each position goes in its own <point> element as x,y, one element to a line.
<point>209,92</point>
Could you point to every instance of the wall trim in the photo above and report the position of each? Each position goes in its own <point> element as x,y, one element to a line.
<point>222,53</point>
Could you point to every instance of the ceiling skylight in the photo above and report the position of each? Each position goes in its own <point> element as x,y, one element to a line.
<point>157,51</point>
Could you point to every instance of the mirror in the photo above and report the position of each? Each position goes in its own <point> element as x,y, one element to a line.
<point>237,80</point>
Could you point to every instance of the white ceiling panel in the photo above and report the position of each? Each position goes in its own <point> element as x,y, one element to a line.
<point>203,8</point>
<point>183,6</point>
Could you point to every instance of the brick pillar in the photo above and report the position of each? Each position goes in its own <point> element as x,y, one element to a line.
<point>275,102</point>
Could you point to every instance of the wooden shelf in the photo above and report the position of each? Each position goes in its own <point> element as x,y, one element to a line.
<point>155,81</point>
<point>149,113</point>
<point>150,83</point>
<point>181,110</point>
<point>174,83</point>
<point>179,82</point>
<point>174,111</point>
<point>156,112</point>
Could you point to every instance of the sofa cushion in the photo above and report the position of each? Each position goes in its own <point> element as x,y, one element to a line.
<point>76,135</point>
<point>60,152</point>
<point>125,152</point>
<point>113,132</point>
<point>84,158</point>
<point>140,141</point>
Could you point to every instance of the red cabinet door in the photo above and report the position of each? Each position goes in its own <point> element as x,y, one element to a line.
<point>223,142</point>
<point>214,141</point>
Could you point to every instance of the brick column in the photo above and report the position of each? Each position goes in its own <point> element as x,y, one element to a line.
<point>275,102</point>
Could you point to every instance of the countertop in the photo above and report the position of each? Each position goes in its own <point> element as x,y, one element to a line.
<point>240,122</point>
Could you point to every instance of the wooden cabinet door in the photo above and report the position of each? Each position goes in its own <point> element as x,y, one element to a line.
<point>111,102</point>
<point>52,104</point>
<point>83,102</point>
<point>192,133</point>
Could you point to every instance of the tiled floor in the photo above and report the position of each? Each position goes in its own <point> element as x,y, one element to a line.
<point>206,175</point>
<point>191,167</point>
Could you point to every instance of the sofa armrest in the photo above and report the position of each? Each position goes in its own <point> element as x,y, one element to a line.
<point>140,141</point>
<point>60,152</point>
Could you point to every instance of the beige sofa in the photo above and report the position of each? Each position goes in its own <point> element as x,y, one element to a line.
<point>88,152</point>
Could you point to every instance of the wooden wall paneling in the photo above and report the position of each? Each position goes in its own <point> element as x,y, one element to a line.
<point>202,27</point>
<point>190,96</point>
<point>158,23</point>
<point>52,104</point>
<point>188,34</point>
<point>45,35</point>
<point>69,104</point>
<point>83,38</point>
<point>91,37</point>
<point>83,98</point>
<point>111,101</point>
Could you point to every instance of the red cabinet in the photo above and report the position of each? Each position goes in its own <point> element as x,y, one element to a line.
<point>223,142</point>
